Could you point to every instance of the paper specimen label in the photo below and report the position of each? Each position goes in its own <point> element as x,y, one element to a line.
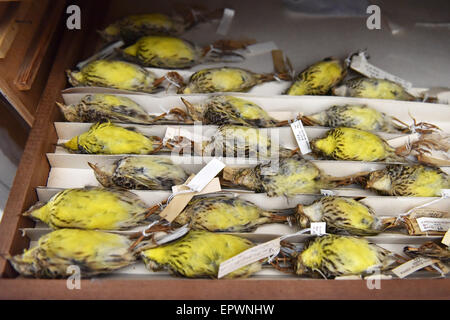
<point>301,137</point>
<point>446,239</point>
<point>174,132</point>
<point>318,228</point>
<point>445,193</point>
<point>249,256</point>
<point>412,266</point>
<point>359,63</point>
<point>433,224</point>
<point>180,201</point>
<point>205,175</point>
<point>174,235</point>
<point>225,23</point>
<point>325,192</point>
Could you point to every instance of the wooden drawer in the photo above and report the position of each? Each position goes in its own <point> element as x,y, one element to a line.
<point>33,172</point>
<point>29,36</point>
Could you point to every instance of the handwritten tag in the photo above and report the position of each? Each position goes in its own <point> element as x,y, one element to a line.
<point>174,235</point>
<point>445,193</point>
<point>404,140</point>
<point>325,192</point>
<point>433,224</point>
<point>204,176</point>
<point>318,228</point>
<point>174,132</point>
<point>360,64</point>
<point>225,23</point>
<point>249,256</point>
<point>446,238</point>
<point>301,137</point>
<point>180,201</point>
<point>261,251</point>
<point>411,266</point>
<point>262,47</point>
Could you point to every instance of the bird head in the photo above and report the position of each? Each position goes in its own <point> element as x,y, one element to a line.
<point>379,180</point>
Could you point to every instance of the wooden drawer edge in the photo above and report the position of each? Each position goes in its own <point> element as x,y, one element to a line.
<point>33,168</point>
<point>185,289</point>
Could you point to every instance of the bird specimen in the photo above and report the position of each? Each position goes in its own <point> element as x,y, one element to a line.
<point>223,109</point>
<point>319,78</point>
<point>362,87</point>
<point>91,208</point>
<point>355,116</point>
<point>289,177</point>
<point>108,138</point>
<point>342,215</point>
<point>336,255</point>
<point>224,213</point>
<point>199,254</point>
<point>354,144</point>
<point>141,173</point>
<point>94,252</point>
<point>114,74</point>
<point>406,180</point>
<point>106,107</point>
<point>225,79</point>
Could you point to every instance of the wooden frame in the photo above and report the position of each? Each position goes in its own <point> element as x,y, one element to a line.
<point>185,289</point>
<point>33,171</point>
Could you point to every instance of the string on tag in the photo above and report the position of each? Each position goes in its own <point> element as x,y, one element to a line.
<point>400,216</point>
<point>143,235</point>
<point>289,221</point>
<point>320,272</point>
<point>170,198</point>
<point>225,23</point>
<point>295,234</point>
<point>213,49</point>
<point>435,267</point>
<point>144,232</point>
<point>162,205</point>
<point>194,15</point>
<point>277,78</point>
<point>172,82</point>
<point>275,254</point>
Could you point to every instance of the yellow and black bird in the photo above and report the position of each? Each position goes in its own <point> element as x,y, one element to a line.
<point>141,173</point>
<point>108,138</point>
<point>374,88</point>
<point>224,109</point>
<point>290,177</point>
<point>342,215</point>
<point>336,255</point>
<point>199,255</point>
<point>355,116</point>
<point>354,144</point>
<point>91,208</point>
<point>319,78</point>
<point>132,27</point>
<point>225,79</point>
<point>407,180</point>
<point>114,74</point>
<point>94,252</point>
<point>163,52</point>
<point>106,107</point>
<point>225,214</point>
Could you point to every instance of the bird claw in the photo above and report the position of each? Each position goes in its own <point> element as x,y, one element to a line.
<point>180,114</point>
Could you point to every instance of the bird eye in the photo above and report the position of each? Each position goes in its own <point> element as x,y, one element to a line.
<point>128,185</point>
